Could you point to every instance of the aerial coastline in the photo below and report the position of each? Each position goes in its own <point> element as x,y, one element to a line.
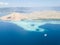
<point>43,15</point>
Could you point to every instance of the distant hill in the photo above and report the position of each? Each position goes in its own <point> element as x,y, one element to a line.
<point>9,10</point>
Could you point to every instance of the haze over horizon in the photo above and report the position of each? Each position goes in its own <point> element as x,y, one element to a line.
<point>29,3</point>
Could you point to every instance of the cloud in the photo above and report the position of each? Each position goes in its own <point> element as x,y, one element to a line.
<point>3,3</point>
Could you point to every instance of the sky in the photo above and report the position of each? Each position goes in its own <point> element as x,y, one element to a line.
<point>29,3</point>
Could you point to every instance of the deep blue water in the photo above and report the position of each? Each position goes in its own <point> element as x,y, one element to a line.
<point>11,34</point>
